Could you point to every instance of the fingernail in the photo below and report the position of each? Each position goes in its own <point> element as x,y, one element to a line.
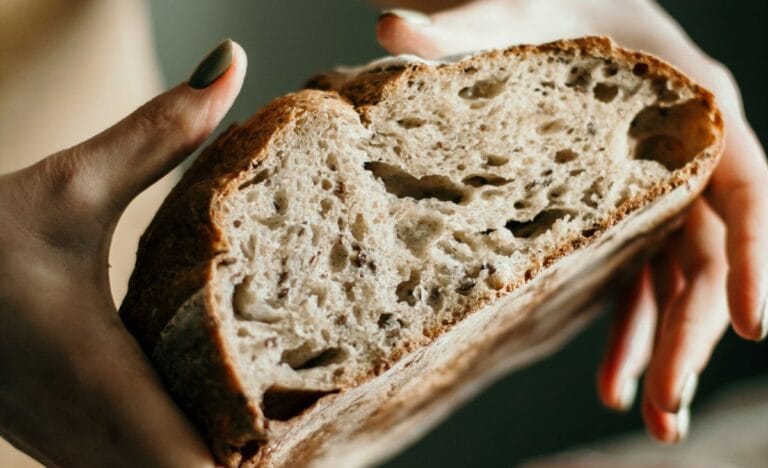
<point>764,319</point>
<point>688,390</point>
<point>213,66</point>
<point>628,394</point>
<point>413,17</point>
<point>683,418</point>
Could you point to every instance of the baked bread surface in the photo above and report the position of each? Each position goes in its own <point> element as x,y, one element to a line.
<point>330,278</point>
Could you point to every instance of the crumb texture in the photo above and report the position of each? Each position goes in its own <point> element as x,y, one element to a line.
<point>355,241</point>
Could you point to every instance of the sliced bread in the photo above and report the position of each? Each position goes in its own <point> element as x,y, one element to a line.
<point>333,276</point>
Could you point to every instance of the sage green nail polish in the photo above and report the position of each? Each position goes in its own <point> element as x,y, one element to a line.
<point>688,390</point>
<point>213,66</point>
<point>683,423</point>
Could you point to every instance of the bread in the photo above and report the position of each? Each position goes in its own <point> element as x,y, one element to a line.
<point>333,276</point>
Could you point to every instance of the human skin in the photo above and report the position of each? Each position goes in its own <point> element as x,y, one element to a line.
<point>713,270</point>
<point>75,388</point>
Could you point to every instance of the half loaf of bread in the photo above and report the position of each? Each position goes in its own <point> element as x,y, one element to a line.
<point>333,276</point>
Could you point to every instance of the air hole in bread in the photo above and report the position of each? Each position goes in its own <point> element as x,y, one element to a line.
<point>605,92</point>
<point>663,92</point>
<point>418,234</point>
<point>304,357</point>
<point>332,162</point>
<point>282,403</point>
<point>495,160</point>
<point>401,184</point>
<point>257,179</point>
<point>488,194</point>
<point>280,202</point>
<point>610,69</point>
<point>338,257</point>
<point>465,287</point>
<point>483,89</point>
<point>672,135</point>
<point>466,239</point>
<point>326,205</point>
<point>552,127</point>
<point>540,224</point>
<point>406,290</point>
<point>640,69</point>
<point>411,122</point>
<point>359,228</point>
<point>387,320</point>
<point>326,184</point>
<point>579,78</point>
<point>664,149</point>
<point>479,180</point>
<point>565,156</point>
<point>593,196</point>
<point>557,192</point>
<point>248,306</point>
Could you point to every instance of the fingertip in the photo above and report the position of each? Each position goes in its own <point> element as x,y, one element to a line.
<point>661,387</point>
<point>748,307</point>
<point>397,35</point>
<point>614,392</point>
<point>662,426</point>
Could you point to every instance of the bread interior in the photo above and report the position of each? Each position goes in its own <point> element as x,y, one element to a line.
<point>356,241</point>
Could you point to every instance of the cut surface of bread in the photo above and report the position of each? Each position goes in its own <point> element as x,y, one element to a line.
<point>310,254</point>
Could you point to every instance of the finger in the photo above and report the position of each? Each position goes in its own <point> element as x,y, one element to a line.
<point>668,279</point>
<point>472,26</point>
<point>663,426</point>
<point>107,171</point>
<point>480,25</point>
<point>630,344</point>
<point>696,319</point>
<point>738,192</point>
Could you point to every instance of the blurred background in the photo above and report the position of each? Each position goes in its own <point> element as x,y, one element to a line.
<point>544,408</point>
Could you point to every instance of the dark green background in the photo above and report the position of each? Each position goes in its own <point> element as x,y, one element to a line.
<point>551,405</point>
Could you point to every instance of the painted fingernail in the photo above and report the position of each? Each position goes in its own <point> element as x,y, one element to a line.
<point>413,17</point>
<point>683,423</point>
<point>213,66</point>
<point>764,319</point>
<point>688,391</point>
<point>628,394</point>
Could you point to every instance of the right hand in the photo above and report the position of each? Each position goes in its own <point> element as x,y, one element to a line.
<point>75,388</point>
<point>719,262</point>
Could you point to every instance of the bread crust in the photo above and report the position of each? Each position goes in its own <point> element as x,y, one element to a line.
<point>179,253</point>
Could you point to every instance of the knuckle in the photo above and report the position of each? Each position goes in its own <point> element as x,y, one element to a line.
<point>165,117</point>
<point>156,116</point>
<point>66,181</point>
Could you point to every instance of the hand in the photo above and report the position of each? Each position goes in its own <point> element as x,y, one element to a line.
<point>716,265</point>
<point>75,388</point>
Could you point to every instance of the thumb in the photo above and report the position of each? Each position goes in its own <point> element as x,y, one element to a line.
<point>106,172</point>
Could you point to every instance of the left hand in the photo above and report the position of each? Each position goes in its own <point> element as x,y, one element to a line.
<point>718,263</point>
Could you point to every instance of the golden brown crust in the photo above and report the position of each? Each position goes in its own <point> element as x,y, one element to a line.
<point>177,258</point>
<point>178,254</point>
